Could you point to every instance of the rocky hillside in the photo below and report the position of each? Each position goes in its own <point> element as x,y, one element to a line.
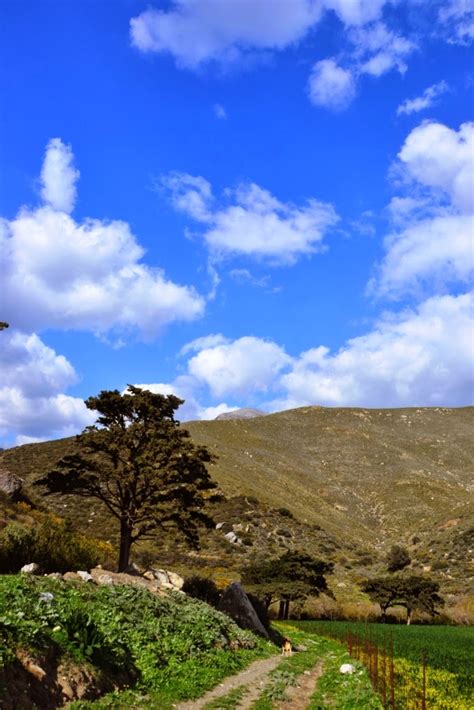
<point>350,483</point>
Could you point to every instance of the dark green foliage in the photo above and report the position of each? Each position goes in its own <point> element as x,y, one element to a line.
<point>412,592</point>
<point>398,558</point>
<point>285,512</point>
<point>291,577</point>
<point>202,588</point>
<point>141,465</point>
<point>3,325</point>
<point>157,640</point>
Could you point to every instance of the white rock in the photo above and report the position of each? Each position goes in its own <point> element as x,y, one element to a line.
<point>347,668</point>
<point>231,537</point>
<point>85,576</point>
<point>219,526</point>
<point>32,568</point>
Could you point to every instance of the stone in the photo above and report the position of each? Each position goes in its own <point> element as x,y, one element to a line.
<point>85,576</point>
<point>10,483</point>
<point>104,579</point>
<point>165,578</point>
<point>232,538</point>
<point>176,580</point>
<point>32,568</point>
<point>219,526</point>
<point>235,603</point>
<point>71,577</point>
<point>347,668</point>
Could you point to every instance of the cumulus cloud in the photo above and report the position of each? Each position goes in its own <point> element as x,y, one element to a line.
<point>439,157</point>
<point>431,242</point>
<point>59,273</point>
<point>186,388</point>
<point>356,12</point>
<point>330,85</point>
<point>438,250</point>
<point>198,31</point>
<point>32,403</point>
<point>423,357</point>
<point>427,99</point>
<point>251,221</point>
<point>59,176</point>
<point>237,367</point>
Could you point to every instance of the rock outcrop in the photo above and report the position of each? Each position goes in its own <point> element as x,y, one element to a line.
<point>236,604</point>
<point>10,483</point>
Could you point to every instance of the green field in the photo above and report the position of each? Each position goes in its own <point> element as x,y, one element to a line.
<point>449,650</point>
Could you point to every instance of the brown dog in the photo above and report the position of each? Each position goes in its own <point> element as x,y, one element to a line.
<point>286,648</point>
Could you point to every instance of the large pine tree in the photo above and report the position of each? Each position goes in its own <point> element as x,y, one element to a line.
<point>142,465</point>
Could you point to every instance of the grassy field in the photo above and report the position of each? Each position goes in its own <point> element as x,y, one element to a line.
<point>449,652</point>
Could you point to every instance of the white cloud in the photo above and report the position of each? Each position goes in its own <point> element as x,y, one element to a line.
<point>59,177</point>
<point>245,365</point>
<point>330,85</point>
<point>254,223</point>
<point>438,157</point>
<point>207,341</point>
<point>32,404</point>
<point>438,250</point>
<point>58,273</point>
<point>197,31</point>
<point>427,99</point>
<point>219,111</point>
<point>378,49</point>
<point>186,388</point>
<point>356,12</point>
<point>424,357</point>
<point>432,243</point>
<point>457,18</point>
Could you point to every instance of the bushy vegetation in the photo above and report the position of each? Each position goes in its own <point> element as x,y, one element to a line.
<point>49,541</point>
<point>171,645</point>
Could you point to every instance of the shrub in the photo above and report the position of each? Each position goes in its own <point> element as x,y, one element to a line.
<point>202,588</point>
<point>17,543</point>
<point>285,512</point>
<point>52,543</point>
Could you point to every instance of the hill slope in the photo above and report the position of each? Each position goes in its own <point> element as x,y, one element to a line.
<point>366,477</point>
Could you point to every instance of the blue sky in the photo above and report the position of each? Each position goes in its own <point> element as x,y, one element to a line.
<point>246,202</point>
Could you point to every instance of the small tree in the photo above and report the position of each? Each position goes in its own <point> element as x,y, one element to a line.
<point>412,592</point>
<point>292,577</point>
<point>3,325</point>
<point>398,558</point>
<point>141,465</point>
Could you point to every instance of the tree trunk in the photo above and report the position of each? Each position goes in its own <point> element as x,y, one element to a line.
<point>409,612</point>
<point>125,545</point>
<point>287,609</point>
<point>281,609</point>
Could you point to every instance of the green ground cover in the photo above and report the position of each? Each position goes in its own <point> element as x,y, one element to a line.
<point>333,689</point>
<point>170,647</point>
<point>449,652</point>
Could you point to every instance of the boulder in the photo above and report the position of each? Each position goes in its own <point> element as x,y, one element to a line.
<point>232,538</point>
<point>10,483</point>
<point>165,578</point>
<point>32,568</point>
<point>71,577</point>
<point>235,603</point>
<point>85,576</point>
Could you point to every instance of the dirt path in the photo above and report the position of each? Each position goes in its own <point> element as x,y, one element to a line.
<point>255,677</point>
<point>298,696</point>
